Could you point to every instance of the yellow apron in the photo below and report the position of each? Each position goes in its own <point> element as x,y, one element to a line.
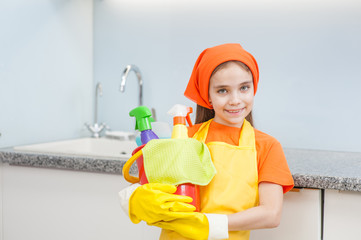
<point>235,186</point>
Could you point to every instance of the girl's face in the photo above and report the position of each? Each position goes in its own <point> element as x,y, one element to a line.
<point>231,94</point>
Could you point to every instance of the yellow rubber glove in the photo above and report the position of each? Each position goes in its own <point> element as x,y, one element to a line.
<point>154,202</point>
<point>193,225</point>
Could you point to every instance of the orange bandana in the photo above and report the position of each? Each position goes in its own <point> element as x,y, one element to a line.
<point>208,60</point>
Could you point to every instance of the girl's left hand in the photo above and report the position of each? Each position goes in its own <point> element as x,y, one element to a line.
<point>193,225</point>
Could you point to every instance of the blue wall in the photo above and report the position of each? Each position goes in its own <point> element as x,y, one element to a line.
<point>46,70</point>
<point>308,53</point>
<point>52,53</point>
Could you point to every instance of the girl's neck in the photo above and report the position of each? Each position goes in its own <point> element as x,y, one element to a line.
<point>215,121</point>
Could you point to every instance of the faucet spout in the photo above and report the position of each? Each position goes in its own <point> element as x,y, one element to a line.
<point>98,92</point>
<point>137,72</point>
<point>96,128</point>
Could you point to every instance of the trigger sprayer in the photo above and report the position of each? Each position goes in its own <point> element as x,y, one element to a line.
<point>180,115</point>
<point>143,120</point>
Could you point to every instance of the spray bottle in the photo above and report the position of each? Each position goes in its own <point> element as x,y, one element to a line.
<point>180,115</point>
<point>143,119</point>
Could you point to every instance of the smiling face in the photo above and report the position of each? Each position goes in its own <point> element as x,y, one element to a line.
<point>231,94</point>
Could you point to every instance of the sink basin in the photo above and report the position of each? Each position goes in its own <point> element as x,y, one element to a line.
<point>91,147</point>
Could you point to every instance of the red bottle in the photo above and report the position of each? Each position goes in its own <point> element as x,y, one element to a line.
<point>180,115</point>
<point>186,189</point>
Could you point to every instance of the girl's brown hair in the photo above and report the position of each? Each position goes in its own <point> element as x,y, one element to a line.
<point>204,114</point>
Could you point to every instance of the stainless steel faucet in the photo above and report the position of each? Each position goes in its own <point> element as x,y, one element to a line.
<point>96,128</point>
<point>140,81</point>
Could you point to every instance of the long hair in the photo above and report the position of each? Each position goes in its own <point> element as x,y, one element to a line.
<point>204,114</point>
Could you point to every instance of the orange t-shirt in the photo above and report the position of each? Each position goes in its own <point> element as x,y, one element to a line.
<point>271,160</point>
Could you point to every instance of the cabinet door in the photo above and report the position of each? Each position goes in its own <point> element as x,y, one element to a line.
<point>45,204</point>
<point>1,199</point>
<point>301,218</point>
<point>342,215</point>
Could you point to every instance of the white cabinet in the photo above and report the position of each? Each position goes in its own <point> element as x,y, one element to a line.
<point>43,204</point>
<point>301,218</point>
<point>1,199</point>
<point>342,219</point>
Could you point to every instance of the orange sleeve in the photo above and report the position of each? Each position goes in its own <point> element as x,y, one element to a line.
<point>272,163</point>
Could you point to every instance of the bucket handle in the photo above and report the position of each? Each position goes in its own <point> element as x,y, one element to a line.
<point>127,166</point>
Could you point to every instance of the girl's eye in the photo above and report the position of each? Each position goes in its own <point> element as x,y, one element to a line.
<point>244,88</point>
<point>222,91</point>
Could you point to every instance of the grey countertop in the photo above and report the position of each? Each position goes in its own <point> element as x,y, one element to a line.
<point>325,169</point>
<point>310,168</point>
<point>66,162</point>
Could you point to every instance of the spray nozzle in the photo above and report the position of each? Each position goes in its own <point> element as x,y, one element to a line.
<point>188,118</point>
<point>180,114</point>
<point>143,118</point>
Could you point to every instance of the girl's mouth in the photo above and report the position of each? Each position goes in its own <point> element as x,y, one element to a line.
<point>234,111</point>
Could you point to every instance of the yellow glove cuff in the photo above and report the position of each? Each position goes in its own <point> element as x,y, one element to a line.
<point>124,196</point>
<point>218,226</point>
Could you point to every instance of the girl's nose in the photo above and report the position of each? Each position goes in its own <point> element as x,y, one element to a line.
<point>234,99</point>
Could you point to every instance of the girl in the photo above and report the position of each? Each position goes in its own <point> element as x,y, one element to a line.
<point>252,172</point>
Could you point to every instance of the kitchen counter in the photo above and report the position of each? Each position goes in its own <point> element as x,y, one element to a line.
<point>310,168</point>
<point>66,162</point>
<point>325,169</point>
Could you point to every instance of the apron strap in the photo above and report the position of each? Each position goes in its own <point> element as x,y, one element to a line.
<point>247,133</point>
<point>201,134</point>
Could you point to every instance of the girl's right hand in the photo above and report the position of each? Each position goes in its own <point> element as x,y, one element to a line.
<point>154,202</point>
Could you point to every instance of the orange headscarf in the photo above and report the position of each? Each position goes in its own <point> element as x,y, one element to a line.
<point>208,60</point>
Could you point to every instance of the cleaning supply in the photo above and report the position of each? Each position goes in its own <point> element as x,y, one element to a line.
<point>180,115</point>
<point>174,161</point>
<point>143,119</point>
<point>191,225</point>
<point>154,202</point>
<point>179,160</point>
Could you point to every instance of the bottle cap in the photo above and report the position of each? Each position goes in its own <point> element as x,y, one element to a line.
<point>180,114</point>
<point>143,118</point>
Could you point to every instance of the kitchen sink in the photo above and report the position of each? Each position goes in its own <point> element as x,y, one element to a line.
<point>91,147</point>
